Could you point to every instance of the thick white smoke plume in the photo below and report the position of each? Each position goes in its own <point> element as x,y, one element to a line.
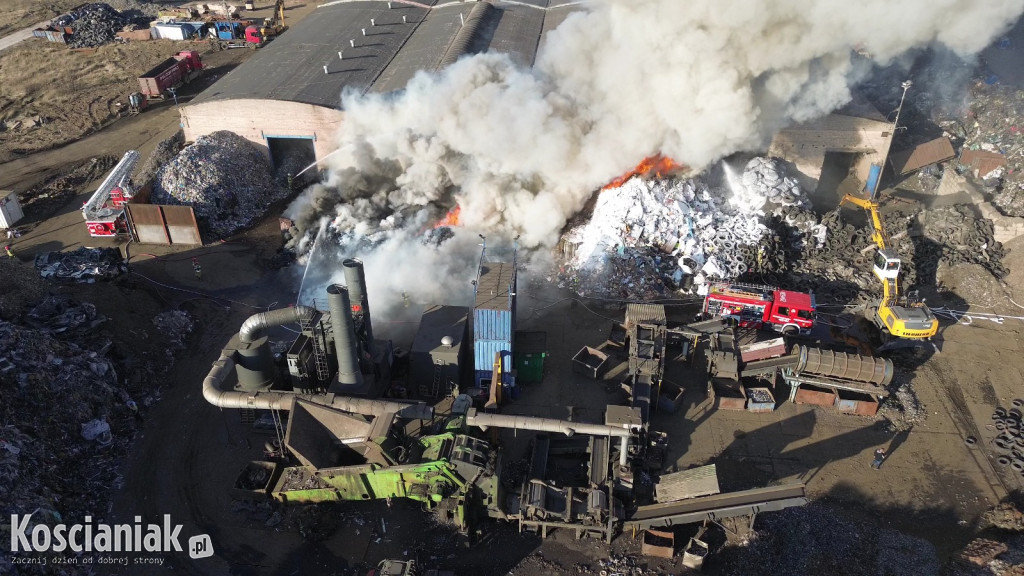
<point>521,150</point>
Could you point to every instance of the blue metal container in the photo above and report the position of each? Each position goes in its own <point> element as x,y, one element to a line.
<point>484,351</point>
<point>873,177</point>
<point>493,325</point>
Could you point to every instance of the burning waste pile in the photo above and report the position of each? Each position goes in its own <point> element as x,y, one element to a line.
<point>224,178</point>
<point>651,237</point>
<point>567,128</point>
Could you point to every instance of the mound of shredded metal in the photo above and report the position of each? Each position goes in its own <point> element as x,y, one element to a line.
<point>225,178</point>
<point>92,25</point>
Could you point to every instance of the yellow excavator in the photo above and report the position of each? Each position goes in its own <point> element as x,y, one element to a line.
<point>275,24</point>
<point>911,319</point>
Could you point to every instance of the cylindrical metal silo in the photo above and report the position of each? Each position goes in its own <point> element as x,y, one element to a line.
<point>841,365</point>
<point>344,335</point>
<point>355,277</point>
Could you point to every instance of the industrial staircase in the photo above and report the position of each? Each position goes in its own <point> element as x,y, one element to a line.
<point>311,325</point>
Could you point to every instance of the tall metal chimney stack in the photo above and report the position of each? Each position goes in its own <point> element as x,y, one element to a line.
<point>355,277</point>
<point>344,336</point>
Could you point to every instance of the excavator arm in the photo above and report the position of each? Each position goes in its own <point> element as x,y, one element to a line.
<point>878,235</point>
<point>914,322</point>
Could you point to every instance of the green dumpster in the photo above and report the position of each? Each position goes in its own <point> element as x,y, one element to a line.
<point>529,351</point>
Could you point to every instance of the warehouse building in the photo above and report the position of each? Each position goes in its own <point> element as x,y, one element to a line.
<point>835,151</point>
<point>287,97</point>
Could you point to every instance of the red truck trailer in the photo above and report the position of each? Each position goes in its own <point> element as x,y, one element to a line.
<point>761,306</point>
<point>180,69</point>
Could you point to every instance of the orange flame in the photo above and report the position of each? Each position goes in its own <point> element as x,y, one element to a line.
<point>450,219</point>
<point>656,165</point>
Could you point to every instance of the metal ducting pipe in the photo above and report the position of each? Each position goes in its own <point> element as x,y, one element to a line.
<point>214,392</point>
<point>567,427</point>
<point>355,277</point>
<point>254,325</point>
<point>840,365</point>
<point>338,302</point>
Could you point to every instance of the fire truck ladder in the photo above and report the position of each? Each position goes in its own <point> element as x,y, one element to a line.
<point>742,290</point>
<point>312,325</point>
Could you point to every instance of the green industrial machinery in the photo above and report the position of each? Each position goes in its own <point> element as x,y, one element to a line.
<point>350,457</point>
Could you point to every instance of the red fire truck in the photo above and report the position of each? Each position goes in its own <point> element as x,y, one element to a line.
<point>104,211</point>
<point>761,306</point>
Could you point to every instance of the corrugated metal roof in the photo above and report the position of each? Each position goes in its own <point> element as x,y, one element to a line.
<point>291,67</point>
<point>438,322</point>
<point>494,288</point>
<point>701,481</point>
<point>907,161</point>
<point>645,314</point>
<point>982,160</point>
<point>424,48</point>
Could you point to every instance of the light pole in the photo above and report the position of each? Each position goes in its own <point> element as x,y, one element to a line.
<point>892,134</point>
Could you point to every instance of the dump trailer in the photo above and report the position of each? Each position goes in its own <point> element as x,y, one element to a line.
<point>179,69</point>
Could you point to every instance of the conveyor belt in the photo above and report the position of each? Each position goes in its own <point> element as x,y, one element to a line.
<point>598,460</point>
<point>769,365</point>
<point>700,328</point>
<point>718,506</point>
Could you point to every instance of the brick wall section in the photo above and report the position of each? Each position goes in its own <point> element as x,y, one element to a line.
<point>805,145</point>
<point>256,118</point>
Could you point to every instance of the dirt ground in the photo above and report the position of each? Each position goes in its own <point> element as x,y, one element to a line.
<point>19,14</point>
<point>51,96</point>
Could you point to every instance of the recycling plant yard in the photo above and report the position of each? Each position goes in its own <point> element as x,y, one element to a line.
<point>419,288</point>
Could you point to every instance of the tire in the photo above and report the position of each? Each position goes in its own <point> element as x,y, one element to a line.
<point>1017,465</point>
<point>970,440</point>
<point>1018,402</point>
<point>1000,425</point>
<point>1003,460</point>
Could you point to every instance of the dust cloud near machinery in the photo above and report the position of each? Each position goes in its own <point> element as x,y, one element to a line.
<point>520,150</point>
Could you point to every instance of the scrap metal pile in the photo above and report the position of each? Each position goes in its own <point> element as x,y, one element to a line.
<point>650,238</point>
<point>69,423</point>
<point>994,124</point>
<point>224,178</point>
<point>804,539</point>
<point>92,25</point>
<point>84,265</point>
